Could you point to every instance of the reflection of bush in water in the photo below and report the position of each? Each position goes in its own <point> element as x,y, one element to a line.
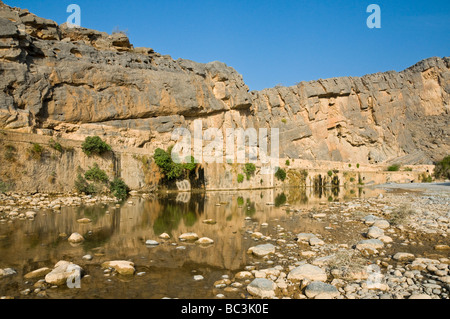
<point>190,218</point>
<point>250,209</point>
<point>168,220</point>
<point>172,214</point>
<point>280,200</point>
<point>240,201</point>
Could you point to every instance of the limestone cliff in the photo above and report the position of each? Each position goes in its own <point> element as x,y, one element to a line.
<point>72,83</point>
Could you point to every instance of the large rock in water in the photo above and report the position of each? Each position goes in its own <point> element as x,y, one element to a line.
<point>75,82</point>
<point>62,271</point>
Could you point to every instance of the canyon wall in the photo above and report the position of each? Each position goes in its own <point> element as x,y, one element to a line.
<point>68,84</point>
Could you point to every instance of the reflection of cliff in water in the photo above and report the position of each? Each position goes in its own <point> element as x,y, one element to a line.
<point>120,232</point>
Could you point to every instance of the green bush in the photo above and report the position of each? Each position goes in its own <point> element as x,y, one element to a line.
<point>426,178</point>
<point>349,165</point>
<point>35,151</point>
<point>288,163</point>
<point>394,168</point>
<point>171,169</point>
<point>249,170</point>
<point>96,174</point>
<point>56,146</point>
<point>280,174</point>
<point>190,164</point>
<point>240,178</point>
<point>408,169</point>
<point>82,186</point>
<point>284,121</point>
<point>330,173</point>
<point>442,168</point>
<point>94,145</point>
<point>119,189</point>
<point>357,165</point>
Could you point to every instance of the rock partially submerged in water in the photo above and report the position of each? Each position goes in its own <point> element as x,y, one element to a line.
<point>41,272</point>
<point>63,271</point>
<point>123,267</point>
<point>205,241</point>
<point>188,236</point>
<point>7,272</point>
<point>76,238</point>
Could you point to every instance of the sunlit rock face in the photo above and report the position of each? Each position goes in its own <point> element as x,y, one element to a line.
<point>72,83</point>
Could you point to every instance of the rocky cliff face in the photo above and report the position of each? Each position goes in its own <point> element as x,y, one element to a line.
<point>72,83</point>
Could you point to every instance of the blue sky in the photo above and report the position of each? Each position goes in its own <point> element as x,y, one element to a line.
<point>273,42</point>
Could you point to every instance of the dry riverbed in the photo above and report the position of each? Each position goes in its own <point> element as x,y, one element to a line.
<point>394,246</point>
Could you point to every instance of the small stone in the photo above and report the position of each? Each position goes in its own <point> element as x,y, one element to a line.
<point>369,243</point>
<point>243,275</point>
<point>262,250</point>
<point>30,214</point>
<point>84,221</point>
<point>261,287</point>
<point>385,239</point>
<point>381,223</point>
<point>76,238</point>
<point>375,232</point>
<point>87,257</point>
<point>326,291</point>
<point>164,236</point>
<point>442,247</point>
<point>205,241</point>
<point>314,241</point>
<point>188,236</point>
<point>403,257</point>
<point>307,271</point>
<point>198,277</point>
<point>123,267</point>
<point>41,272</point>
<point>305,237</point>
<point>151,242</point>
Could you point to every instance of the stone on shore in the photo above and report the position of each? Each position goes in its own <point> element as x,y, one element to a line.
<point>403,257</point>
<point>188,236</point>
<point>326,291</point>
<point>261,287</point>
<point>369,244</point>
<point>375,232</point>
<point>262,250</point>
<point>307,271</point>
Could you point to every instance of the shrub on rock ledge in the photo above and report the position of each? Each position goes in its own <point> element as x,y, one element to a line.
<point>280,174</point>
<point>95,145</point>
